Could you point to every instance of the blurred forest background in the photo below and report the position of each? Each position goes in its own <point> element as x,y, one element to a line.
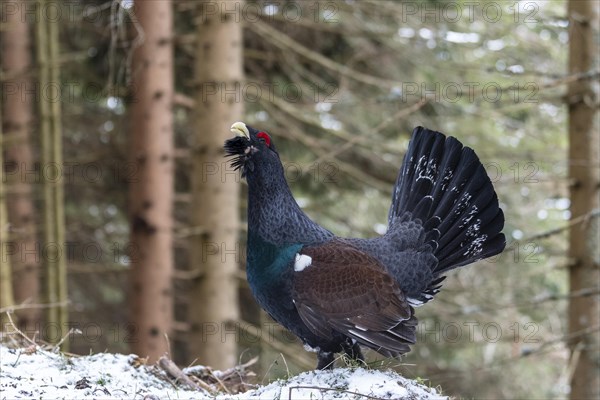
<point>121,219</point>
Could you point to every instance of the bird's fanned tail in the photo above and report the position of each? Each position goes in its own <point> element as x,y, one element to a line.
<point>445,186</point>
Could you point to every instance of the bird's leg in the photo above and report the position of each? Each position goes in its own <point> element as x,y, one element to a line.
<point>325,360</point>
<point>354,353</point>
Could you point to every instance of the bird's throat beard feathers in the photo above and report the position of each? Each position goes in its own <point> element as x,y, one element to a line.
<point>240,149</point>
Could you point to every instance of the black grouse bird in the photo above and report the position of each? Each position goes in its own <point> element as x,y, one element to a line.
<point>337,293</point>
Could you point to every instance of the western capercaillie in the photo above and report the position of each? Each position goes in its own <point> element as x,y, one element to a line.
<point>337,293</point>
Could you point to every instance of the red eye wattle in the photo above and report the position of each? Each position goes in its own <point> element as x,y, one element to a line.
<point>266,137</point>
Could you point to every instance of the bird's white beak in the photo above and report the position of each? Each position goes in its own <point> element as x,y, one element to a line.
<point>240,128</point>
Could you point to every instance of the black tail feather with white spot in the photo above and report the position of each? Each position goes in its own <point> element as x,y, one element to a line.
<point>444,185</point>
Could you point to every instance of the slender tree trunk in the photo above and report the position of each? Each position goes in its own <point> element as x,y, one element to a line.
<point>16,61</point>
<point>151,189</point>
<point>6,292</point>
<point>58,201</point>
<point>584,173</point>
<point>54,254</point>
<point>213,310</point>
<point>51,292</point>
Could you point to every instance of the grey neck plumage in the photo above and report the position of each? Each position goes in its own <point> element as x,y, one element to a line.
<point>274,215</point>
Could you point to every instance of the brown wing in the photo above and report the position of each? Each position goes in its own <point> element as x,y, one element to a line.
<point>346,290</point>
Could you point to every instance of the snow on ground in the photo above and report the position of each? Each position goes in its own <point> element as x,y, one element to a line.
<point>342,383</point>
<point>45,375</point>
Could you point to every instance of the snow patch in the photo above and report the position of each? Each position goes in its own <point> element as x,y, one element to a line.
<point>47,375</point>
<point>344,383</point>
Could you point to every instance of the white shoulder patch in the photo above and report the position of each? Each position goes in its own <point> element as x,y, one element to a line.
<point>302,261</point>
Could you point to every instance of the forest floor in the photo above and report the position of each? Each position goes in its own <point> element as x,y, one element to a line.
<point>33,372</point>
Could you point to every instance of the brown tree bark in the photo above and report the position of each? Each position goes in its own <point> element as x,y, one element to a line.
<point>6,292</point>
<point>213,310</point>
<point>584,173</point>
<point>50,130</point>
<point>16,61</point>
<point>151,188</point>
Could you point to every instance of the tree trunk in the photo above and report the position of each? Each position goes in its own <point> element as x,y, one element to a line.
<point>6,292</point>
<point>151,188</point>
<point>584,174</point>
<point>16,61</point>
<point>213,310</point>
<point>54,254</point>
<point>58,201</point>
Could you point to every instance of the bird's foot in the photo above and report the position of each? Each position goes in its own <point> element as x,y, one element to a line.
<point>354,352</point>
<point>353,355</point>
